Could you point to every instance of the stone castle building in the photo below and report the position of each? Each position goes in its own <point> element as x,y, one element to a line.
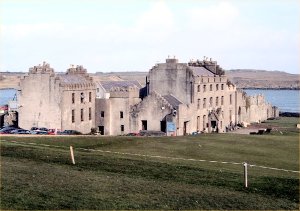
<point>62,101</point>
<point>178,99</point>
<point>182,98</point>
<point>113,102</point>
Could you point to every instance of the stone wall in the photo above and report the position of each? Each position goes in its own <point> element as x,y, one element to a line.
<point>171,78</point>
<point>114,122</point>
<point>39,101</point>
<point>153,109</point>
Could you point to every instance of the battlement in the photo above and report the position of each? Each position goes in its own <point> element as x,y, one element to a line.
<point>208,64</point>
<point>44,68</point>
<point>76,70</point>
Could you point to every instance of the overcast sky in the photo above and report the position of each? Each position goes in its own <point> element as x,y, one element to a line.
<point>133,35</point>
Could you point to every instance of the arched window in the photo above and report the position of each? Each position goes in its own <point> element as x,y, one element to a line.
<point>198,104</point>
<point>198,89</point>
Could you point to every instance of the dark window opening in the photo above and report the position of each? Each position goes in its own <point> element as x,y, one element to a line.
<point>210,87</point>
<point>144,124</point>
<point>73,116</point>
<point>81,115</point>
<point>102,114</point>
<point>163,126</point>
<point>121,114</point>
<point>90,113</point>
<point>101,130</point>
<point>90,96</point>
<point>73,98</point>
<point>122,128</point>
<point>81,97</point>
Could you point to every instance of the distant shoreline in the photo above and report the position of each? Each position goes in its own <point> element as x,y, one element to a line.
<point>289,114</point>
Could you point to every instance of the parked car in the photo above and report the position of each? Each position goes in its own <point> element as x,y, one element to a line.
<point>69,132</point>
<point>34,128</point>
<point>53,131</point>
<point>39,132</point>
<point>7,130</point>
<point>20,131</point>
<point>43,129</point>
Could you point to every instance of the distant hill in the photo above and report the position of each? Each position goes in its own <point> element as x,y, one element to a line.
<point>242,78</point>
<point>247,78</point>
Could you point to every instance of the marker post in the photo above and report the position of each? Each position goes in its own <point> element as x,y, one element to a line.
<point>72,155</point>
<point>245,175</point>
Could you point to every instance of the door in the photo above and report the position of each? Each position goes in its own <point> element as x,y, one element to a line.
<point>101,130</point>
<point>184,128</point>
<point>144,124</point>
<point>163,126</point>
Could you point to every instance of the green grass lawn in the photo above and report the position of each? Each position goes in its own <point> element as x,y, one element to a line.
<point>42,177</point>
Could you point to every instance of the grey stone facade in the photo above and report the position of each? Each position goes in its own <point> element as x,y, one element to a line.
<point>179,99</point>
<point>62,101</point>
<point>209,102</point>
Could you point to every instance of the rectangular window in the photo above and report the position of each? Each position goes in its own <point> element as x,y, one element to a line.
<point>198,123</point>
<point>81,114</point>
<point>81,97</point>
<point>204,88</point>
<point>222,100</point>
<point>222,86</point>
<point>90,113</point>
<point>73,116</point>
<point>90,96</point>
<point>198,104</point>
<point>230,99</point>
<point>122,128</point>
<point>121,114</point>
<point>217,87</point>
<point>210,87</point>
<point>198,88</point>
<point>217,101</point>
<point>73,98</point>
<point>102,114</point>
<point>204,103</point>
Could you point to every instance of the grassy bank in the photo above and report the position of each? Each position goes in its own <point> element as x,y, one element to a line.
<point>36,172</point>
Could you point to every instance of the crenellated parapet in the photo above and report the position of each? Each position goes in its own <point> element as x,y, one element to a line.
<point>208,64</point>
<point>42,69</point>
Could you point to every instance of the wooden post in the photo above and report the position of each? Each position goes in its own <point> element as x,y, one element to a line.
<point>72,155</point>
<point>245,175</point>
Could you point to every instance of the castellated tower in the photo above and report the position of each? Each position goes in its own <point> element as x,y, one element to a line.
<point>57,101</point>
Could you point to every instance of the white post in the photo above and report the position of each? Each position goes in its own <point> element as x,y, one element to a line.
<point>72,155</point>
<point>245,175</point>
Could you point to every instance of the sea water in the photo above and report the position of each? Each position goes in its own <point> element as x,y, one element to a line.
<point>285,100</point>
